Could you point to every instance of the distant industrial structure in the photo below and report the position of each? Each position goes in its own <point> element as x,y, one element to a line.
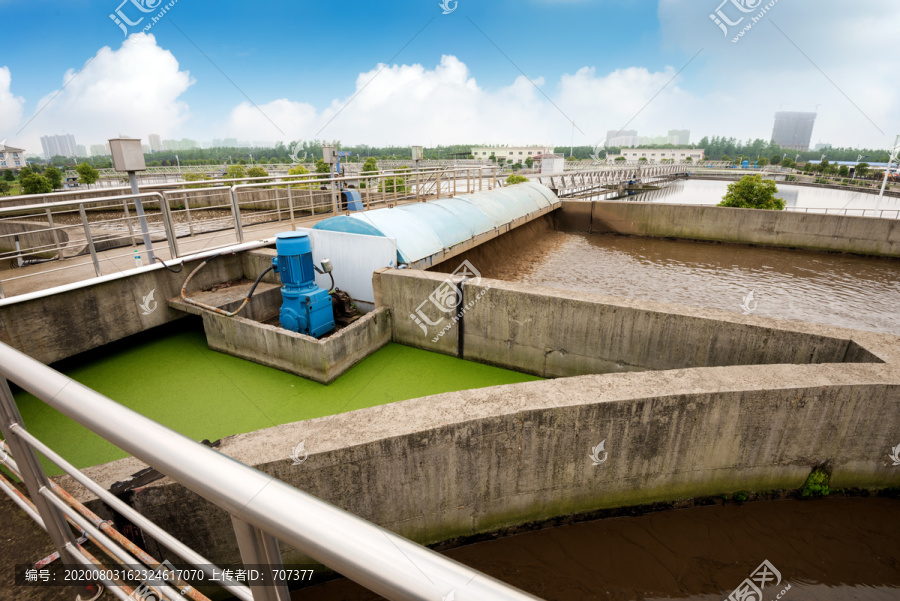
<point>11,158</point>
<point>654,155</point>
<point>100,150</point>
<point>63,146</point>
<point>793,130</point>
<point>512,154</point>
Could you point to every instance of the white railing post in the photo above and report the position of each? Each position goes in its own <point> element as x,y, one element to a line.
<point>260,551</point>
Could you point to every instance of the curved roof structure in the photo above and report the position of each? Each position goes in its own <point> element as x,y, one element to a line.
<point>424,229</point>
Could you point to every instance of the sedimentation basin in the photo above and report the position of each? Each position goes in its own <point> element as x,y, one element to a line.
<point>676,395</point>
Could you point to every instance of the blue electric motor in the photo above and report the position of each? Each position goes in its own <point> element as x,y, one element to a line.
<point>306,308</point>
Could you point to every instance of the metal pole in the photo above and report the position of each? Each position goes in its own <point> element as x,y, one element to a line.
<point>33,475</point>
<point>893,157</point>
<point>90,241</point>
<point>236,214</point>
<point>142,219</point>
<point>259,549</point>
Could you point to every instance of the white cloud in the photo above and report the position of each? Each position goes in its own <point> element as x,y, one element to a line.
<point>412,104</point>
<point>133,91</point>
<point>10,104</point>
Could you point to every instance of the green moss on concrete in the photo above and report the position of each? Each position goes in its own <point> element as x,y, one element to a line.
<point>816,484</point>
<point>172,377</point>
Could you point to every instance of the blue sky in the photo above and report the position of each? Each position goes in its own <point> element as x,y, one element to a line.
<point>603,63</point>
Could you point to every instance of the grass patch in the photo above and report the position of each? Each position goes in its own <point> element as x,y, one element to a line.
<point>816,484</point>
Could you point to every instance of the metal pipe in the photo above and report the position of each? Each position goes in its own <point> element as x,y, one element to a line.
<point>119,555</point>
<point>378,559</point>
<point>22,501</point>
<point>138,519</point>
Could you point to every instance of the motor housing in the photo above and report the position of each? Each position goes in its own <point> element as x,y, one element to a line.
<point>305,307</point>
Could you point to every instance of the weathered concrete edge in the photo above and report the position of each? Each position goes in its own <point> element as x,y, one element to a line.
<point>469,462</point>
<point>320,360</point>
<point>789,229</point>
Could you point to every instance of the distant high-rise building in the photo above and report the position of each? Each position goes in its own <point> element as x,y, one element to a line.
<point>100,150</point>
<point>58,146</point>
<point>156,144</point>
<point>793,130</point>
<point>682,136</point>
<point>625,137</point>
<point>81,151</point>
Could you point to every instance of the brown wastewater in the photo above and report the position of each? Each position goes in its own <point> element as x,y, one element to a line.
<point>831,549</point>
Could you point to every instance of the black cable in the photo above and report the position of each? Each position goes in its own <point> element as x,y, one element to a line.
<point>169,268</point>
<point>332,282</point>
<point>258,280</point>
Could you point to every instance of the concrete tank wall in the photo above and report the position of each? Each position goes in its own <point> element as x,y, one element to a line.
<point>858,235</point>
<point>457,464</point>
<point>557,333</point>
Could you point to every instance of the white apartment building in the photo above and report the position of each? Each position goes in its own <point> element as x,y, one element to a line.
<point>654,155</point>
<point>11,158</point>
<point>512,154</point>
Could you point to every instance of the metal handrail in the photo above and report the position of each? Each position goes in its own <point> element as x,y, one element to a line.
<point>261,506</point>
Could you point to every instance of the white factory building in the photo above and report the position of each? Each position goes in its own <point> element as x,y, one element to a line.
<point>657,154</point>
<point>512,154</point>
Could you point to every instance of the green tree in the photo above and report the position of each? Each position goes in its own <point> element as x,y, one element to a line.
<point>642,160</point>
<point>298,170</point>
<point>235,172</point>
<point>257,172</point>
<point>620,159</point>
<point>725,157</point>
<point>571,157</point>
<point>322,166</point>
<point>392,184</point>
<point>752,192</point>
<point>776,159</point>
<point>844,171</point>
<point>4,187</point>
<point>862,169</point>
<point>32,183</point>
<point>516,179</point>
<point>788,163</point>
<point>8,175</point>
<point>762,162</point>
<point>54,176</point>
<point>195,177</point>
<point>87,174</point>
<point>529,162</point>
<point>370,165</point>
<point>689,160</point>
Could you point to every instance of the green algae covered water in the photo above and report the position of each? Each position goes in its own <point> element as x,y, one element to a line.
<point>171,376</point>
